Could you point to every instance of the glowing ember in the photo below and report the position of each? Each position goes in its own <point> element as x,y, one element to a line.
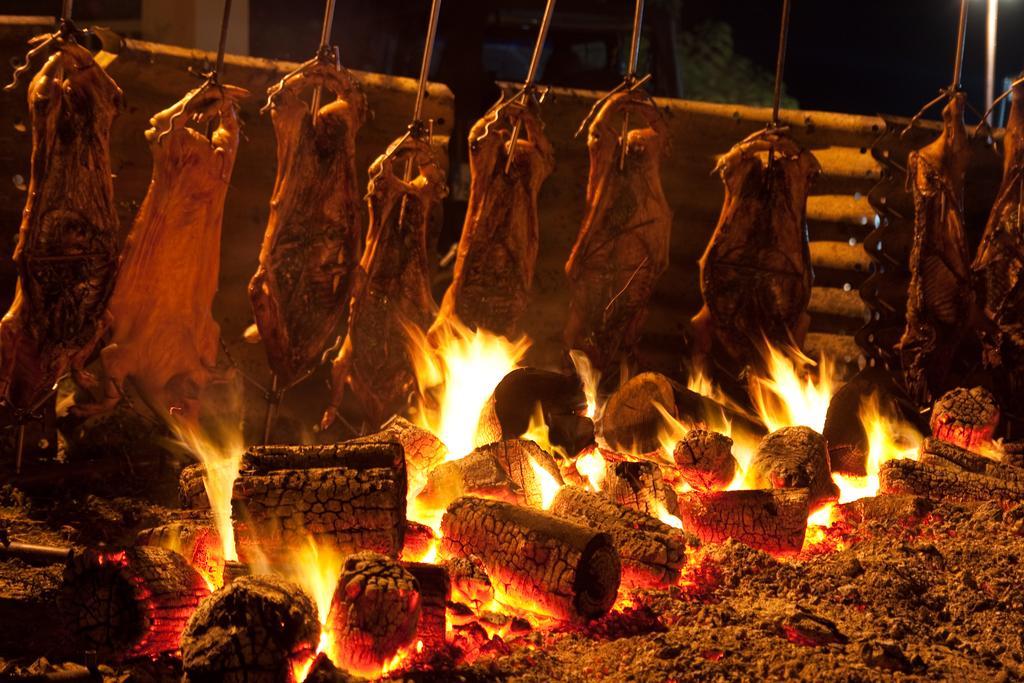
<point>221,458</point>
<point>591,465</point>
<point>785,399</point>
<point>662,513</point>
<point>456,372</point>
<point>817,522</point>
<point>316,569</point>
<point>549,486</point>
<point>888,439</point>
<point>590,377</point>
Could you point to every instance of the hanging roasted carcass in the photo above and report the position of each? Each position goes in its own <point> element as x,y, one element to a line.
<point>392,287</point>
<point>312,245</point>
<point>163,337</point>
<point>68,242</point>
<point>756,275</point>
<point>999,263</point>
<point>941,298</point>
<point>623,245</point>
<point>498,249</point>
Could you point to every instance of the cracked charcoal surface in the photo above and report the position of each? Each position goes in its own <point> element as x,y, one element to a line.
<point>630,422</point>
<point>652,553</point>
<point>435,589</point>
<point>704,460</point>
<point>374,612</point>
<point>795,457</point>
<point>423,451</point>
<point>470,583</point>
<point>566,570</point>
<point>250,632</point>
<point>772,520</point>
<point>965,417</point>
<point>134,605</point>
<point>514,456</point>
<point>638,485</point>
<point>940,453</point>
<point>945,483</point>
<point>478,474</point>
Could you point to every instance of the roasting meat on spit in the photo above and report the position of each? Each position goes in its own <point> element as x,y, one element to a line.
<point>68,241</point>
<point>392,288</point>
<point>623,246</point>
<point>162,333</point>
<point>312,245</point>
<point>498,249</point>
<point>999,263</point>
<point>941,297</point>
<point>755,275</point>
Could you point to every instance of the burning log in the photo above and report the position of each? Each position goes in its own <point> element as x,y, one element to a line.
<point>197,542</point>
<point>348,495</point>
<point>965,417</point>
<point>885,509</point>
<point>470,583</point>
<point>705,460</point>
<point>374,612</point>
<point>639,485</point>
<point>796,457</point>
<point>939,452</point>
<point>940,482</point>
<point>773,520</point>
<point>479,474</point>
<point>544,563</point>
<point>252,631</point>
<point>652,552</point>
<point>631,421</point>
<point>435,591</point>
<point>423,450</point>
<point>521,393</point>
<point>131,603</point>
<point>520,459</point>
<point>418,540</point>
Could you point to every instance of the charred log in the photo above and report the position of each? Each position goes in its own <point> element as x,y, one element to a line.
<point>885,509</point>
<point>374,612</point>
<point>705,460</point>
<point>470,583</point>
<point>940,482</point>
<point>559,398</point>
<point>252,631</point>
<point>631,421</point>
<point>541,562</point>
<point>638,485</point>
<point>965,417</point>
<point>520,458</point>
<point>478,474</point>
<point>938,452</point>
<point>423,450</point>
<point>131,603</point>
<point>418,540</point>
<point>796,457</point>
<point>435,589</point>
<point>771,520</point>
<point>652,552</point>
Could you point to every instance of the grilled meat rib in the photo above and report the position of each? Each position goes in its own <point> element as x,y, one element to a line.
<point>300,291</point>
<point>999,263</point>
<point>623,245</point>
<point>498,249</point>
<point>755,275</point>
<point>68,242</point>
<point>392,289</point>
<point>163,335</point>
<point>941,298</point>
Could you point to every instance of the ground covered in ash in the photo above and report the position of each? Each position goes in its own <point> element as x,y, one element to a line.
<point>935,598</point>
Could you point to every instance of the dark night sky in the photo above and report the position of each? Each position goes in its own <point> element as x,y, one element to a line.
<point>870,56</point>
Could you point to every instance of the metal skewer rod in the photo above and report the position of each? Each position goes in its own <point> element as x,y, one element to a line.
<point>325,39</point>
<point>274,397</point>
<point>65,12</point>
<point>780,62</point>
<point>958,64</point>
<point>634,58</point>
<point>531,77</point>
<point>428,54</point>
<point>223,40</point>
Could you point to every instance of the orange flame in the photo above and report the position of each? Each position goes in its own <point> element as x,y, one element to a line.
<point>458,369</point>
<point>592,465</point>
<point>590,377</point>
<point>786,399</point>
<point>549,486</point>
<point>221,459</point>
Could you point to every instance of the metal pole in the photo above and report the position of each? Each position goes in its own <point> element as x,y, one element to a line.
<point>780,62</point>
<point>223,39</point>
<point>531,77</point>
<point>428,53</point>
<point>65,12</point>
<point>21,448</point>
<point>991,27</point>
<point>325,38</point>
<point>273,402</point>
<point>634,58</point>
<point>958,65</point>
